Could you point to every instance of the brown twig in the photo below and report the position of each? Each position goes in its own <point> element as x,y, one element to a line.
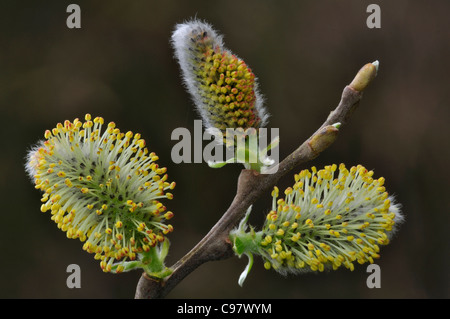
<point>251,185</point>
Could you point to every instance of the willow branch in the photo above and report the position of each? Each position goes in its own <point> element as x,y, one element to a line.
<point>251,185</point>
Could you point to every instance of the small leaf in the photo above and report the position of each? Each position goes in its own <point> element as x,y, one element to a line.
<point>247,269</point>
<point>239,246</point>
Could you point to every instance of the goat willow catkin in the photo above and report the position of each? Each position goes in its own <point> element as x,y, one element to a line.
<point>223,87</point>
<point>326,220</point>
<point>103,188</point>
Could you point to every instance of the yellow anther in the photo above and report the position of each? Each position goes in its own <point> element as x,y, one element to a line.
<point>141,143</point>
<point>99,120</point>
<point>280,232</point>
<point>129,135</point>
<point>275,192</point>
<point>296,237</point>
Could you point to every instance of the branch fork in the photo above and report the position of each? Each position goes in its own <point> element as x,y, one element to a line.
<point>216,245</point>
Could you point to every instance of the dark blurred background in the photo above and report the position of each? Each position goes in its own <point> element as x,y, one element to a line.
<point>120,65</point>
